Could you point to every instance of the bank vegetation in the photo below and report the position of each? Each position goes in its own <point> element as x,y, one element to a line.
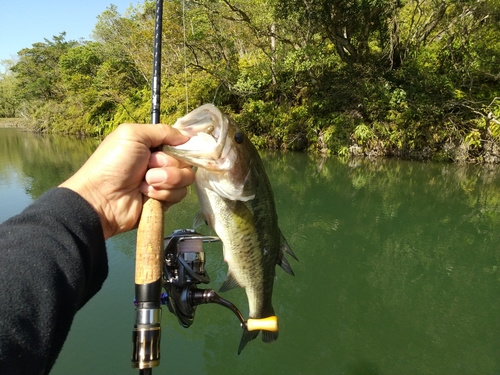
<point>409,78</point>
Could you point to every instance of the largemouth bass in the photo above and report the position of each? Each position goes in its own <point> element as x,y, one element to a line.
<point>237,202</point>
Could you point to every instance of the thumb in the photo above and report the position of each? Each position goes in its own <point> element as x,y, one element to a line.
<point>154,135</point>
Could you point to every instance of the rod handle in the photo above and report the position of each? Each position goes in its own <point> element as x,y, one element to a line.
<point>149,250</point>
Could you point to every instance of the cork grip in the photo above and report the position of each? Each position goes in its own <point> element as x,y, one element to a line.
<point>148,263</point>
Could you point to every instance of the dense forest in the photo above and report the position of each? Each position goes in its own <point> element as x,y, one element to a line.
<point>409,78</point>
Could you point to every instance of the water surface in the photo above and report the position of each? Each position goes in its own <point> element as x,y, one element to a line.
<point>398,270</point>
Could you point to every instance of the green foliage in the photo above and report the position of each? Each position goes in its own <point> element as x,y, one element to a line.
<point>9,98</point>
<point>37,71</point>
<point>414,79</point>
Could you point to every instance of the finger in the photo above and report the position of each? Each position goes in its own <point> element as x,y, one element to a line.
<point>169,177</point>
<point>167,196</point>
<point>160,159</point>
<point>152,135</point>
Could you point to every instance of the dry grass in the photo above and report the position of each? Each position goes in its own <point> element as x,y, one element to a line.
<point>14,123</point>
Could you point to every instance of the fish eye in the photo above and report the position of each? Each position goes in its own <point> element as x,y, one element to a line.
<point>238,137</point>
<point>209,130</point>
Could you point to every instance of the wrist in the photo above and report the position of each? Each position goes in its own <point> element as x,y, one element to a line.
<point>94,200</point>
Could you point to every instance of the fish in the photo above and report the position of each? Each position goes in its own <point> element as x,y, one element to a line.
<point>237,202</point>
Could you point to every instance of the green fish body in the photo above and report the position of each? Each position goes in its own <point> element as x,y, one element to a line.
<point>237,201</point>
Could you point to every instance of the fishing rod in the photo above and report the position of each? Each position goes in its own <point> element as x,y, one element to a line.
<point>175,263</point>
<point>146,335</point>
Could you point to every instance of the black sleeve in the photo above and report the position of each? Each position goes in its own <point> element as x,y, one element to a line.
<point>52,261</point>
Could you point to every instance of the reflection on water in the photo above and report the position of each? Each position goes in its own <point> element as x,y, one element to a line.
<point>30,164</point>
<point>44,160</point>
<point>398,271</point>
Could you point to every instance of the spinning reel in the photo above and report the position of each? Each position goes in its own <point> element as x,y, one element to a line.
<point>183,271</point>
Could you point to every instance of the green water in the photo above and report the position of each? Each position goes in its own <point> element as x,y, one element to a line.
<point>398,271</point>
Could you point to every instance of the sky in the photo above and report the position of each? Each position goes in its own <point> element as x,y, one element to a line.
<point>24,22</point>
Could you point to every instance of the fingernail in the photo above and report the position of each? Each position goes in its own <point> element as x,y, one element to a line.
<point>156,176</point>
<point>160,159</point>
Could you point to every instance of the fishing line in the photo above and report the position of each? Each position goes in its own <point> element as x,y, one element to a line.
<point>185,58</point>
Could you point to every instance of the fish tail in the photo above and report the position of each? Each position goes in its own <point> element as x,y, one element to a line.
<point>269,328</point>
<point>246,337</point>
<point>268,336</point>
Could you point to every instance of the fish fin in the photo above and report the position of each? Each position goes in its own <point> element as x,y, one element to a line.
<point>199,220</point>
<point>268,336</point>
<point>285,247</point>
<point>246,337</point>
<point>283,263</point>
<point>229,283</point>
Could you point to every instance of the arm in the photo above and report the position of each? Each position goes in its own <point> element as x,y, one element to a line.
<point>52,255</point>
<point>52,261</point>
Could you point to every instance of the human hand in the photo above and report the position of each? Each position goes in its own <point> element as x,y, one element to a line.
<point>115,177</point>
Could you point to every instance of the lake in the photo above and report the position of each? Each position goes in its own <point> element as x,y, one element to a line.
<point>398,270</point>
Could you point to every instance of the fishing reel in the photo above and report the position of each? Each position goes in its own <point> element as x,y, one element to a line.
<point>183,270</point>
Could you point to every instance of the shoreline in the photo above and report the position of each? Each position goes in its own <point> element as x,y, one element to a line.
<point>489,154</point>
<point>18,123</point>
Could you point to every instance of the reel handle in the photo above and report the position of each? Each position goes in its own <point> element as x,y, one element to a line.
<point>265,324</point>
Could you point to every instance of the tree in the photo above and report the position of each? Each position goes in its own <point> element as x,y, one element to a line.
<point>349,25</point>
<point>9,101</point>
<point>37,71</point>
<point>127,41</point>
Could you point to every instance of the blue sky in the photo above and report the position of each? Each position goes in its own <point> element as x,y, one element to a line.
<point>24,22</point>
